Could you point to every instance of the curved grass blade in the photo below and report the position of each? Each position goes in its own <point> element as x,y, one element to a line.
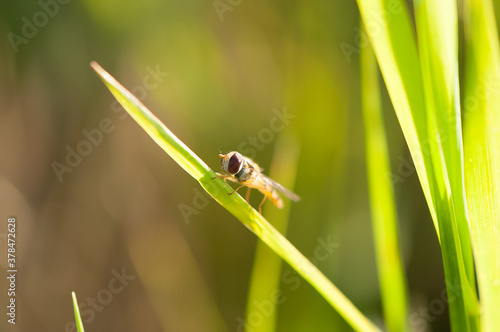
<point>236,205</point>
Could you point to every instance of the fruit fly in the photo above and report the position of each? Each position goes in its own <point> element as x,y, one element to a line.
<point>247,173</point>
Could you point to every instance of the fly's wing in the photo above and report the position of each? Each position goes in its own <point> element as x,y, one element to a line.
<point>293,196</point>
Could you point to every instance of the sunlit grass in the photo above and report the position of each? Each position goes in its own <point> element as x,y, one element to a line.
<point>383,206</point>
<point>458,170</point>
<point>424,86</point>
<point>237,206</point>
<point>437,31</point>
<point>78,318</point>
<point>482,153</point>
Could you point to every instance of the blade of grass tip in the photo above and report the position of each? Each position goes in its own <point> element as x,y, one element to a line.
<point>266,272</point>
<point>482,152</point>
<point>437,31</point>
<point>78,318</point>
<point>384,216</point>
<point>236,205</point>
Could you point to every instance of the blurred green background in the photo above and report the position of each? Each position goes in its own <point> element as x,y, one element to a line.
<point>217,73</point>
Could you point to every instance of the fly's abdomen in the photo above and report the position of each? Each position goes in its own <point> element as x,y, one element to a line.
<point>273,195</point>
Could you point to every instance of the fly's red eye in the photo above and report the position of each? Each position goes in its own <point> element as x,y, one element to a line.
<point>234,163</point>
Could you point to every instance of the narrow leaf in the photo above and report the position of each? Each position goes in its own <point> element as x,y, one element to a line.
<point>437,31</point>
<point>219,190</point>
<point>78,318</point>
<point>384,216</point>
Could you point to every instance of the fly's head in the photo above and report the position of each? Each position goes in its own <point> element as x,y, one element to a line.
<point>231,163</point>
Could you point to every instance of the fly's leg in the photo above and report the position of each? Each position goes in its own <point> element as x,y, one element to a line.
<point>262,203</point>
<point>235,190</point>
<point>222,176</point>
<point>247,197</point>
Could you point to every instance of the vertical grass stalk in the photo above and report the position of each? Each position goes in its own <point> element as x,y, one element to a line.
<point>423,85</point>
<point>384,215</point>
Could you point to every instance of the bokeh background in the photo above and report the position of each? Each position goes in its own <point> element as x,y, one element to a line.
<point>216,73</point>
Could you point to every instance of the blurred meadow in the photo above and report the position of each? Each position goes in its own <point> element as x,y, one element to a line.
<point>101,210</point>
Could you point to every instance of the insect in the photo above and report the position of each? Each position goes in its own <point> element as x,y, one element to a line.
<point>247,173</point>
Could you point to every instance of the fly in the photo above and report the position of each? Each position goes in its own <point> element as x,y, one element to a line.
<point>247,173</point>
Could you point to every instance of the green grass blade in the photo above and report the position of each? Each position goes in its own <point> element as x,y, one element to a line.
<point>419,110</point>
<point>391,35</point>
<point>437,31</point>
<point>266,272</point>
<point>236,205</point>
<point>78,318</point>
<point>482,152</point>
<point>384,216</point>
